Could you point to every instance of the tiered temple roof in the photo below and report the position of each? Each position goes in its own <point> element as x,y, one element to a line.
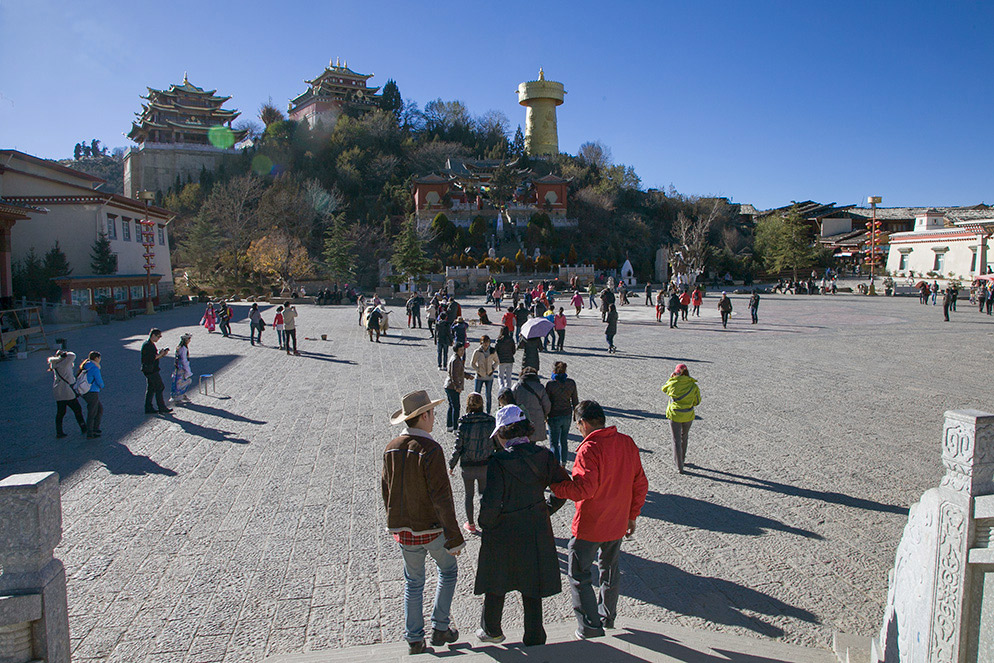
<point>338,83</point>
<point>182,114</point>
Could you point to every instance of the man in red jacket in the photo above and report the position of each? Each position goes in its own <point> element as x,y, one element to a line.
<point>609,488</point>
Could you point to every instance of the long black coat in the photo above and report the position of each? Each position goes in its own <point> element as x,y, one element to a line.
<point>518,551</point>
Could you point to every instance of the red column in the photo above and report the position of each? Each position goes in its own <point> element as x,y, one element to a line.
<point>6,284</point>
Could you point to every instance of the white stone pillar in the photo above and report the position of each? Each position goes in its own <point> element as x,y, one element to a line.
<point>34,617</point>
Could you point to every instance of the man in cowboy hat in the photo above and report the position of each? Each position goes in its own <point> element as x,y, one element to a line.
<point>421,517</point>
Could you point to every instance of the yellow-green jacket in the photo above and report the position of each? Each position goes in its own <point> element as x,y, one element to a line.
<point>684,395</point>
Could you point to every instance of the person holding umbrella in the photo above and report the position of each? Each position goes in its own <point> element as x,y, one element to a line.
<point>532,333</point>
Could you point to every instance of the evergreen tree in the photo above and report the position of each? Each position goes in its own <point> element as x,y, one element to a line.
<point>269,113</point>
<point>409,258</point>
<point>339,251</point>
<point>77,152</point>
<point>391,100</point>
<point>518,144</point>
<point>200,251</point>
<point>55,264</point>
<point>102,259</point>
<point>785,241</point>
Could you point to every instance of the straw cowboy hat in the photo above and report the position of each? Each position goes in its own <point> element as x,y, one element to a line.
<point>413,404</point>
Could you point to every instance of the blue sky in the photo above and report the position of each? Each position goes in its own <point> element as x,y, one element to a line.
<point>763,102</point>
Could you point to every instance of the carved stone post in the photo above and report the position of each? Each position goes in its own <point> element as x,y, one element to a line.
<point>34,618</point>
<point>933,610</point>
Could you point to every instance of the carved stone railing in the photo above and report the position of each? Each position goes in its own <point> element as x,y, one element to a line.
<point>34,622</point>
<point>940,603</point>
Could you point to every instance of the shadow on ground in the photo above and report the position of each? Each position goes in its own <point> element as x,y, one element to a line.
<point>699,514</point>
<point>787,489</point>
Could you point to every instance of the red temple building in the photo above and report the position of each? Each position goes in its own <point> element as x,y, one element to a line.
<point>328,94</point>
<point>179,131</point>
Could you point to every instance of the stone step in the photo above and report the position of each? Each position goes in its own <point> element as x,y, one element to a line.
<point>851,648</point>
<point>635,641</point>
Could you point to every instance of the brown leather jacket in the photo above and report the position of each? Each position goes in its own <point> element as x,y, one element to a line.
<point>416,490</point>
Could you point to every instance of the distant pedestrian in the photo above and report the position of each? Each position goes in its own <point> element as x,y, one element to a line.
<point>421,517</point>
<point>518,551</point>
<point>577,302</point>
<point>459,329</point>
<point>947,302</point>
<point>561,390</point>
<point>484,364</point>
<point>443,339</point>
<point>935,291</point>
<point>684,397</point>
<point>290,331</point>
<point>210,318</point>
<point>224,319</point>
<point>660,304</point>
<point>684,304</point>
<point>504,348</point>
<point>591,294</point>
<point>373,319</point>
<point>648,294</point>
<point>559,325</point>
<point>182,377</point>
<point>530,395</point>
<point>754,306</point>
<point>63,368</point>
<point>609,488</point>
<point>90,368</point>
<point>150,356</point>
<point>473,451</point>
<point>674,307</point>
<point>520,318</point>
<point>612,328</point>
<point>725,308</point>
<point>417,301</point>
<point>256,323</point>
<point>454,385</point>
<point>279,325</point>
<point>607,301</point>
<point>530,348</point>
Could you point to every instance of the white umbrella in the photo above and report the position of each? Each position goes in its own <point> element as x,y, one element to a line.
<point>536,328</point>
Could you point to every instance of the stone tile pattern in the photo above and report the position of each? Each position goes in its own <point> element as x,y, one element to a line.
<point>251,523</point>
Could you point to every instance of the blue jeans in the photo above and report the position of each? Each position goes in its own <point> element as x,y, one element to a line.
<point>485,384</point>
<point>414,586</point>
<point>452,415</point>
<point>443,355</point>
<point>559,436</point>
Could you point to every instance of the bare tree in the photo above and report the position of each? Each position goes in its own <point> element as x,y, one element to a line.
<point>691,249</point>
<point>232,208</point>
<point>596,154</point>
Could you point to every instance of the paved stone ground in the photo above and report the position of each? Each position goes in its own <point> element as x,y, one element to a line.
<point>250,523</point>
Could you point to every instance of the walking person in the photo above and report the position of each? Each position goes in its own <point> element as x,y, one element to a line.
<point>935,291</point>
<point>505,358</point>
<point>518,551</point>
<point>90,368</point>
<point>473,451</point>
<point>416,302</point>
<point>278,324</point>
<point>947,302</point>
<point>454,385</point>
<point>529,357</point>
<point>443,339</point>
<point>648,294</point>
<point>674,307</point>
<point>559,325</point>
<point>373,318</point>
<point>421,517</point>
<point>696,299</point>
<point>530,395</point>
<point>520,318</point>
<point>754,306</point>
<point>609,488</point>
<point>660,304</point>
<point>290,329</point>
<point>684,395</point>
<point>607,301</point>
<point>612,328</point>
<point>562,399</point>
<point>725,308</point>
<point>182,374</point>
<point>256,323</point>
<point>63,368</point>
<point>154,386</point>
<point>224,319</point>
<point>591,294</point>
<point>210,318</point>
<point>684,305</point>
<point>459,329</point>
<point>577,302</point>
<point>484,363</point>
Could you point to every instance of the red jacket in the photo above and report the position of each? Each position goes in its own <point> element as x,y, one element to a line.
<point>508,320</point>
<point>608,486</point>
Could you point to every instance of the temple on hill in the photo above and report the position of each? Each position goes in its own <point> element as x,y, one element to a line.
<point>328,94</point>
<point>179,131</point>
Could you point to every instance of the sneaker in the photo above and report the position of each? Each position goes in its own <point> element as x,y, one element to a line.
<point>470,527</point>
<point>446,637</point>
<point>587,633</point>
<point>417,647</point>
<point>483,636</point>
<point>608,623</point>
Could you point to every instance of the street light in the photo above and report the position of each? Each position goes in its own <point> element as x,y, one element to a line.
<point>148,241</point>
<point>874,236</point>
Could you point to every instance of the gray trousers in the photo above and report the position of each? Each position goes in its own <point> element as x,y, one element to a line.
<point>94,411</point>
<point>681,429</point>
<point>593,612</point>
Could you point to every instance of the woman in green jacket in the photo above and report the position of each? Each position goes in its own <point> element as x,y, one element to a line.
<point>684,395</point>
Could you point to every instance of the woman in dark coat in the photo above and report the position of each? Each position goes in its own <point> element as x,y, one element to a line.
<point>612,327</point>
<point>518,552</point>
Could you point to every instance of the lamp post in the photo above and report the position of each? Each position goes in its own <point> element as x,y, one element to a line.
<point>874,236</point>
<point>148,241</point>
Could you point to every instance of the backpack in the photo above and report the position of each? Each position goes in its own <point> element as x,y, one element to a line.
<point>82,384</point>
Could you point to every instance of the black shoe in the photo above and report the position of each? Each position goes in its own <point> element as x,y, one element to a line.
<point>447,637</point>
<point>586,633</point>
<point>59,436</point>
<point>417,647</point>
<point>166,411</point>
<point>93,436</point>
<point>147,411</point>
<point>607,623</point>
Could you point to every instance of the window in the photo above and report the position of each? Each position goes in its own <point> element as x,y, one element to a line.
<point>154,290</point>
<point>100,293</point>
<point>973,262</point>
<point>111,226</point>
<point>80,297</point>
<point>120,293</point>
<point>940,260</point>
<point>904,262</point>
<point>125,229</point>
<point>137,292</point>
<point>162,235</point>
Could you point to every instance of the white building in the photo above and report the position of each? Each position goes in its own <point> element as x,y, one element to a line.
<point>75,213</point>
<point>951,244</point>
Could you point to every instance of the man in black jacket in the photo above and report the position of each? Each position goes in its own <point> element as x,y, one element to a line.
<point>150,368</point>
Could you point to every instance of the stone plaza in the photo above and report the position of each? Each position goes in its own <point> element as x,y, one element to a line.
<point>249,524</point>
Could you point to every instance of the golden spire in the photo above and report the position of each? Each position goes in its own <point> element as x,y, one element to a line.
<point>185,81</point>
<point>337,63</point>
<point>541,74</point>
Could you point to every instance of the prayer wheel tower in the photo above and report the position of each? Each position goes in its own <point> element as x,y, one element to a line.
<point>541,98</point>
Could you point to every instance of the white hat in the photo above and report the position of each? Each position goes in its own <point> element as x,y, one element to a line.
<point>507,415</point>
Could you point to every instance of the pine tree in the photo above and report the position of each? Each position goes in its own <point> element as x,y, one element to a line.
<point>391,100</point>
<point>102,259</point>
<point>518,144</point>
<point>339,251</point>
<point>200,250</point>
<point>408,253</point>
<point>54,264</point>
